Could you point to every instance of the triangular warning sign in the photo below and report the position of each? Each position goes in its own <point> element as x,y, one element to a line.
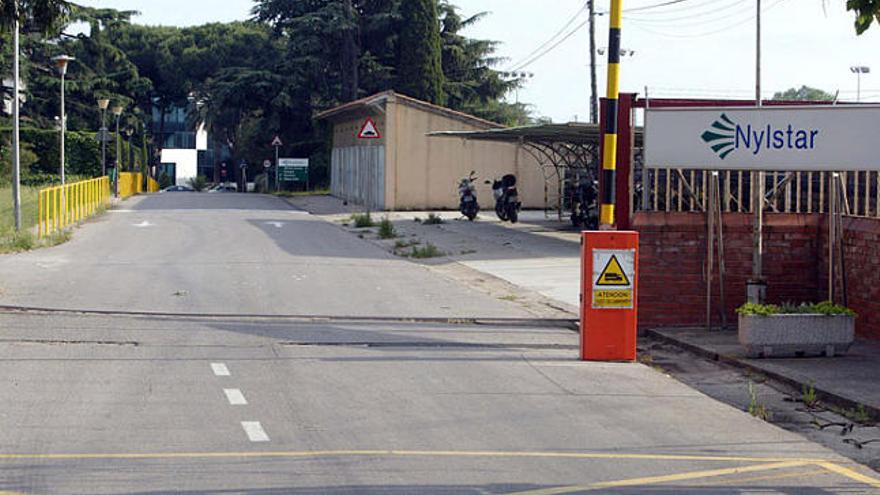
<point>277,141</point>
<point>369,130</point>
<point>613,274</point>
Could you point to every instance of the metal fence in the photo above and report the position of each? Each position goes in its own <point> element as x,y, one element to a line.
<point>676,190</point>
<point>61,206</point>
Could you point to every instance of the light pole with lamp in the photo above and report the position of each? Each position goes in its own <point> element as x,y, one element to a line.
<point>103,103</point>
<point>117,111</point>
<point>858,70</point>
<point>62,62</point>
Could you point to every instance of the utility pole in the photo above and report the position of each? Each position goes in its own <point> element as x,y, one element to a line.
<point>757,288</point>
<point>594,103</point>
<point>16,146</point>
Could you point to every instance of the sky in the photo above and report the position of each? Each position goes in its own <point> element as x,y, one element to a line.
<point>692,48</point>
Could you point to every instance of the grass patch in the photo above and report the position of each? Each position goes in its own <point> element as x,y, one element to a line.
<point>809,396</point>
<point>362,220</point>
<point>386,229</point>
<point>294,194</point>
<point>433,220</point>
<point>401,244</point>
<point>755,408</point>
<point>509,298</point>
<point>427,251</point>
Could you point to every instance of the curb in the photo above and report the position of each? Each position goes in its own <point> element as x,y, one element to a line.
<point>825,396</point>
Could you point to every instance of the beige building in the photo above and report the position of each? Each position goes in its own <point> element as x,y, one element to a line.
<point>383,156</point>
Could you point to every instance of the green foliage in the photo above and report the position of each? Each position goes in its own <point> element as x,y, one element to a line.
<point>165,181</point>
<point>420,65</point>
<point>14,242</point>
<point>755,408</point>
<point>433,219</point>
<point>866,12</point>
<point>809,396</point>
<point>362,220</point>
<point>198,183</point>
<point>804,93</point>
<point>826,308</point>
<point>386,229</point>
<point>427,251</point>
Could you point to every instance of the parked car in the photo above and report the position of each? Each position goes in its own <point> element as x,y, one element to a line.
<point>177,189</point>
<point>228,187</point>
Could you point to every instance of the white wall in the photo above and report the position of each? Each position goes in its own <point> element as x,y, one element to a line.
<point>187,162</point>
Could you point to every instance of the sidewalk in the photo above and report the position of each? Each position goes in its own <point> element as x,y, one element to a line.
<point>844,381</point>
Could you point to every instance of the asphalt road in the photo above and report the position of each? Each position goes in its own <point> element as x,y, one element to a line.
<point>112,404</point>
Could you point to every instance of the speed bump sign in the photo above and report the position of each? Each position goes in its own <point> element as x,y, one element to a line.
<point>613,274</point>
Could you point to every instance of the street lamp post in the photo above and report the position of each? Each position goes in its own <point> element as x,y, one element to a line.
<point>62,62</point>
<point>16,147</point>
<point>117,111</point>
<point>858,70</point>
<point>103,103</point>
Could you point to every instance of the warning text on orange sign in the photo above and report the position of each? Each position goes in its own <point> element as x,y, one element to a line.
<point>613,298</point>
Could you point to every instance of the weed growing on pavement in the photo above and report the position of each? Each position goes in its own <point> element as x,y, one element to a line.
<point>433,220</point>
<point>509,297</point>
<point>58,237</point>
<point>16,242</point>
<point>417,219</point>
<point>386,229</point>
<point>809,396</point>
<point>428,251</point>
<point>467,251</point>
<point>362,220</point>
<point>757,409</point>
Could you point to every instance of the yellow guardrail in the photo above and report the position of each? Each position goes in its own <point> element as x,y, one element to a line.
<point>61,206</point>
<point>130,184</point>
<point>152,185</point>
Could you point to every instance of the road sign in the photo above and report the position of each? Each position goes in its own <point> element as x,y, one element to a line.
<point>293,169</point>
<point>613,269</point>
<point>267,163</point>
<point>277,141</point>
<point>369,130</point>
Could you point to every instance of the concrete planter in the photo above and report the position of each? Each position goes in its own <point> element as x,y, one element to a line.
<point>796,334</point>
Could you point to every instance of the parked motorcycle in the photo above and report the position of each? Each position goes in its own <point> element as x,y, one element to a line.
<point>467,191</point>
<point>584,209</point>
<point>507,204</point>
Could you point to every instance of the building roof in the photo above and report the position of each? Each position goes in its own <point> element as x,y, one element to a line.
<point>394,97</point>
<point>572,133</point>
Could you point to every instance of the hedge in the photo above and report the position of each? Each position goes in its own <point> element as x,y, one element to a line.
<point>83,151</point>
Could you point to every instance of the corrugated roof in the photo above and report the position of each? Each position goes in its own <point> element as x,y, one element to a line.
<point>573,132</point>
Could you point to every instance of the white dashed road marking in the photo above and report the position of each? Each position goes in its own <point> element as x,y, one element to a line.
<point>220,369</point>
<point>235,397</point>
<point>254,431</point>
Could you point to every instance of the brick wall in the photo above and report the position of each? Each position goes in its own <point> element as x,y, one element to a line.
<point>672,282</point>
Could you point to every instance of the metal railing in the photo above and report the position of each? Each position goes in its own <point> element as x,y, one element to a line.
<point>676,190</point>
<point>60,206</point>
<point>130,184</point>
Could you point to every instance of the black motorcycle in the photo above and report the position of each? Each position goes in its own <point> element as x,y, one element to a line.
<point>584,209</point>
<point>507,204</point>
<point>467,191</point>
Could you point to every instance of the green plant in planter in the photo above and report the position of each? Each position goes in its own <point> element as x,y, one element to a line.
<point>826,308</point>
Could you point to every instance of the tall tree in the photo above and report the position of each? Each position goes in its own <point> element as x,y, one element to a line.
<point>804,93</point>
<point>420,66</point>
<point>867,11</point>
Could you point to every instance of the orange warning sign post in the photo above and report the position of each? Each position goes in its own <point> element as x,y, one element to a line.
<point>609,295</point>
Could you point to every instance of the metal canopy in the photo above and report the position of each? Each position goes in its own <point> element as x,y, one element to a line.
<point>568,153</point>
<point>573,133</point>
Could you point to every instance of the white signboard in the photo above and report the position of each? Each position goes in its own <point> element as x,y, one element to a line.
<point>833,137</point>
<point>293,162</point>
<point>613,275</point>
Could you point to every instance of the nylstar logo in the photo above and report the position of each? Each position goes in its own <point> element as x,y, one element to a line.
<point>721,136</point>
<point>726,136</point>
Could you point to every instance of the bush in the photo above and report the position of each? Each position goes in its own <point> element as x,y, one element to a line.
<point>428,251</point>
<point>386,229</point>
<point>362,220</point>
<point>826,308</point>
<point>433,220</point>
<point>198,183</point>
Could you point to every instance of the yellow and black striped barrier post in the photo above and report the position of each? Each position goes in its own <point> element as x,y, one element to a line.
<point>609,162</point>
